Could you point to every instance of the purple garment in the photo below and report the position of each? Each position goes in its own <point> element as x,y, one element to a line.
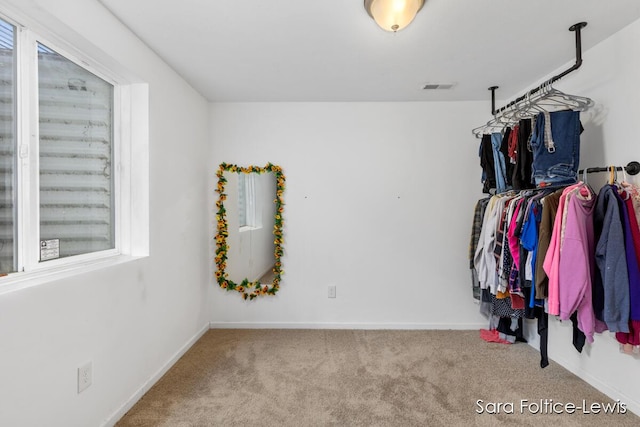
<point>577,264</point>
<point>632,262</point>
<point>611,283</point>
<point>514,283</point>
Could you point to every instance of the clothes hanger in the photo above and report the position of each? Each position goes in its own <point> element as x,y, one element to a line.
<point>626,185</point>
<point>507,116</point>
<point>622,190</point>
<point>546,99</point>
<point>511,116</point>
<point>529,107</point>
<point>632,189</point>
<point>585,189</point>
<point>494,125</point>
<point>611,179</point>
<point>551,98</point>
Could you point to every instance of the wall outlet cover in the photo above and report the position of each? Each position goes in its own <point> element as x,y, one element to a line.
<point>332,291</point>
<point>85,376</point>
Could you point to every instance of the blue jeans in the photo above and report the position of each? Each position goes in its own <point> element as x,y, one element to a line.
<point>556,159</point>
<point>499,164</point>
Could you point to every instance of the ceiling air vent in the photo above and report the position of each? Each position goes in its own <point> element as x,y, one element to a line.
<point>438,86</point>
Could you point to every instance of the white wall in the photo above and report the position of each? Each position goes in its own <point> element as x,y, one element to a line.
<point>610,75</point>
<point>130,319</point>
<point>379,202</point>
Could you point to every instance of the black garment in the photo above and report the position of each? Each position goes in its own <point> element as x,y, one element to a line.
<point>578,336</point>
<point>486,162</point>
<point>504,149</point>
<point>486,296</point>
<point>543,333</point>
<point>597,286</point>
<point>504,326</point>
<point>529,313</point>
<point>524,158</point>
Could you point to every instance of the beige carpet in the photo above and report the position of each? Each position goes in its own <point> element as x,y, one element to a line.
<point>362,378</point>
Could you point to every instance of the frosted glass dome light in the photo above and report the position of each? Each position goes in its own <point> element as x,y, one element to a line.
<point>393,15</point>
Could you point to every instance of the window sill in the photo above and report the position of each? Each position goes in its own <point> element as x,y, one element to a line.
<point>23,280</point>
<point>246,228</point>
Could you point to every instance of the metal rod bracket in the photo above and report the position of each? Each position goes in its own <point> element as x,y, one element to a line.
<point>577,28</point>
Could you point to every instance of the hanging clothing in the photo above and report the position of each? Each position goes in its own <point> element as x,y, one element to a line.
<point>551,262</point>
<point>523,157</point>
<point>611,281</point>
<point>566,252</point>
<point>529,241</point>
<point>485,259</point>
<point>476,229</point>
<point>499,163</point>
<point>504,150</point>
<point>512,149</point>
<point>634,192</point>
<point>549,211</point>
<point>576,263</point>
<point>487,164</point>
<point>633,270</point>
<point>555,143</point>
<point>632,337</point>
<point>543,333</point>
<point>588,273</point>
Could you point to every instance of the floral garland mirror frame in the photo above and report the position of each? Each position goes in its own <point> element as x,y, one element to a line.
<point>247,289</point>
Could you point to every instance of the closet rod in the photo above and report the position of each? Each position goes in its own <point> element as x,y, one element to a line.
<point>577,28</point>
<point>633,168</point>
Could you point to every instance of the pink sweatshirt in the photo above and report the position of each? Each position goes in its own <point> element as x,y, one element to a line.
<point>576,266</point>
<point>511,235</point>
<point>552,259</point>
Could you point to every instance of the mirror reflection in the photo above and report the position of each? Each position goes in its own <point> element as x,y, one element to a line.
<point>249,229</point>
<point>250,216</point>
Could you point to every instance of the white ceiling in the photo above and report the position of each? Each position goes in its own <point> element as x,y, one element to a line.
<point>331,50</point>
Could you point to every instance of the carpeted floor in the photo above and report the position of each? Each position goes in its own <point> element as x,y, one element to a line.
<point>365,378</point>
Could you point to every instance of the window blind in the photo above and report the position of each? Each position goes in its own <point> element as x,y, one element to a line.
<point>7,148</point>
<point>76,156</point>
<point>247,199</point>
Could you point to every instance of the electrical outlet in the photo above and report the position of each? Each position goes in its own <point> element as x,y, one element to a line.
<point>85,376</point>
<point>332,291</point>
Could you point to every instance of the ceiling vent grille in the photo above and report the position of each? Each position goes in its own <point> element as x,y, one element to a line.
<point>438,86</point>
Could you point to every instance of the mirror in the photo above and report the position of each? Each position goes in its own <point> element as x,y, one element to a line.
<point>250,216</point>
<point>249,229</point>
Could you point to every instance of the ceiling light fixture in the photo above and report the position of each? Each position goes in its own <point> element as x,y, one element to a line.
<point>393,15</point>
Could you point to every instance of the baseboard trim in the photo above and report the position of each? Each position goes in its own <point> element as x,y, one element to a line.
<point>339,325</point>
<point>573,366</point>
<point>597,383</point>
<point>115,417</point>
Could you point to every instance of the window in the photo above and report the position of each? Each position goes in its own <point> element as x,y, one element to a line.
<point>58,148</point>
<point>7,147</point>
<point>75,149</point>
<point>247,200</point>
